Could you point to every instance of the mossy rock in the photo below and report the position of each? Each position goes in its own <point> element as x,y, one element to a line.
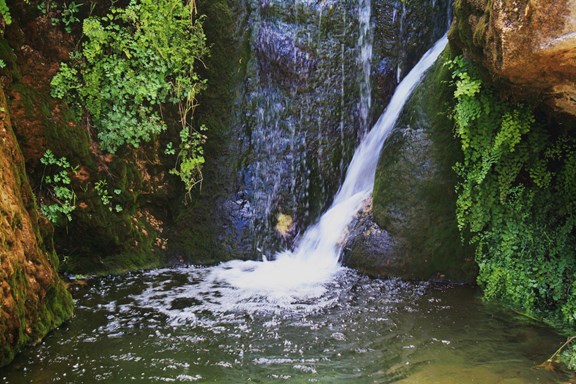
<point>205,231</point>
<point>100,238</point>
<point>414,199</point>
<point>33,298</point>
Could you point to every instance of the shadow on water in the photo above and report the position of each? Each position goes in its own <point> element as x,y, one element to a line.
<point>178,325</point>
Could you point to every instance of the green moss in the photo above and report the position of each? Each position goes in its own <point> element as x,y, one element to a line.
<point>43,316</point>
<point>463,36</point>
<point>197,223</point>
<point>33,314</point>
<point>108,238</point>
<point>9,57</point>
<point>62,130</point>
<point>414,197</point>
<point>58,307</point>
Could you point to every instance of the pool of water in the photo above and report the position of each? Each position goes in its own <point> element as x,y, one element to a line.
<point>179,325</point>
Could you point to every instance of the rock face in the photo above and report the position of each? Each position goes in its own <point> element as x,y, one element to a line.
<point>314,74</point>
<point>99,238</point>
<point>414,234</point>
<point>33,299</point>
<point>530,43</point>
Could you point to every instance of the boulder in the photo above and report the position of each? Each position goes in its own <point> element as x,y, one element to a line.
<point>529,43</point>
<point>414,234</point>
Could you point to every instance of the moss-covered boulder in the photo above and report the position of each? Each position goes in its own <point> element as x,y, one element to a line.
<point>33,298</point>
<point>416,236</point>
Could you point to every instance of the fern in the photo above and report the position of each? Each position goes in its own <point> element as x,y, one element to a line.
<point>516,200</point>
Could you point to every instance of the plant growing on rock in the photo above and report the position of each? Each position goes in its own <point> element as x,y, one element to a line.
<point>101,188</point>
<point>516,200</point>
<point>133,62</point>
<point>67,15</point>
<point>58,191</point>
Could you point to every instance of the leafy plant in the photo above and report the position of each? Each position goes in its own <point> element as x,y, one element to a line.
<point>516,200</point>
<point>67,15</point>
<point>565,354</point>
<point>43,7</point>
<point>133,62</point>
<point>106,197</point>
<point>568,356</point>
<point>59,191</point>
<point>101,188</point>
<point>5,12</point>
<point>190,157</point>
<point>169,150</point>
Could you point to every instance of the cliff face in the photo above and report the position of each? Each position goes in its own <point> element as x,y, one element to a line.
<point>33,299</point>
<point>120,222</point>
<point>530,43</point>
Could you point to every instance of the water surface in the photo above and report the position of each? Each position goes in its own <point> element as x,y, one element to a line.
<point>183,325</point>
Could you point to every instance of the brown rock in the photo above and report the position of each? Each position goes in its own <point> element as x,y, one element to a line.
<point>33,299</point>
<point>530,43</point>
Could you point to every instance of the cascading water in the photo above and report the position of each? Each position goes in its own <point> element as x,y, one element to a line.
<point>365,61</point>
<point>403,54</point>
<point>301,273</point>
<point>290,110</point>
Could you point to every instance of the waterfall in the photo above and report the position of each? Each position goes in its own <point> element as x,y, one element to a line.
<point>365,62</point>
<point>401,33</point>
<point>314,261</point>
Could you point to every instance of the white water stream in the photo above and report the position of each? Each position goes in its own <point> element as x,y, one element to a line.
<point>365,63</point>
<point>302,273</point>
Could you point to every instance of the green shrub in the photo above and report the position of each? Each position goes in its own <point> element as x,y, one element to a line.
<point>516,200</point>
<point>133,62</point>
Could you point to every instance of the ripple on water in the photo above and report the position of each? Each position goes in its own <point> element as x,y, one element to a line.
<point>181,325</point>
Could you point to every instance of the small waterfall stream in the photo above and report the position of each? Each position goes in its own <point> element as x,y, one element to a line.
<point>365,61</point>
<point>302,88</point>
<point>302,272</point>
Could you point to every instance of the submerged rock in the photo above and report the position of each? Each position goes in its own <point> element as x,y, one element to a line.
<point>529,43</point>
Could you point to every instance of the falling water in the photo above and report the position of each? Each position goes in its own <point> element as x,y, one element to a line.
<point>449,14</point>
<point>301,90</point>
<point>401,33</point>
<point>365,59</point>
<point>301,273</point>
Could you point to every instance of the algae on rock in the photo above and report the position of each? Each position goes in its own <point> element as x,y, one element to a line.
<point>33,298</point>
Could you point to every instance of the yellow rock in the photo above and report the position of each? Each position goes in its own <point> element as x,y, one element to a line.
<point>284,224</point>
